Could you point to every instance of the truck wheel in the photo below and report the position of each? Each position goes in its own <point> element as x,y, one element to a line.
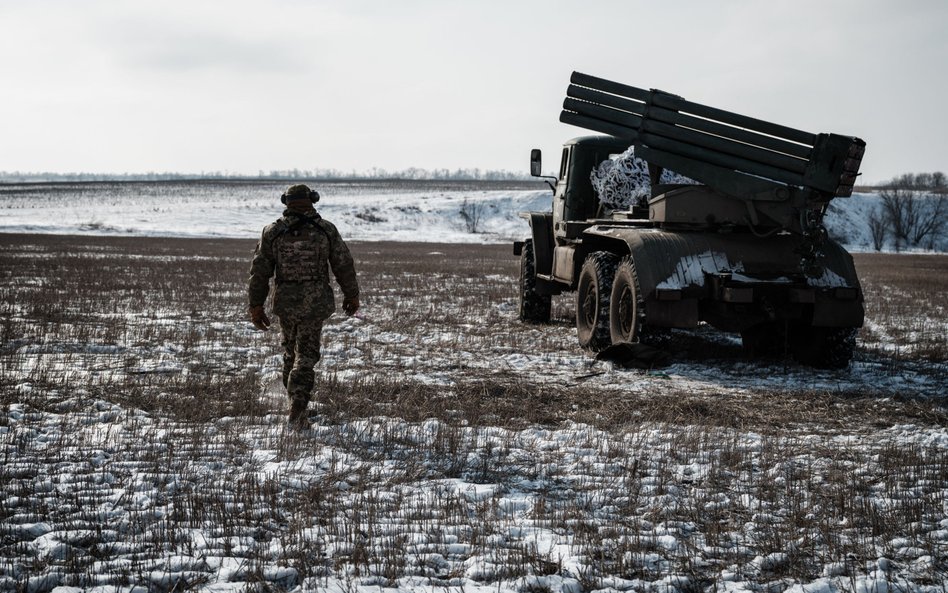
<point>824,347</point>
<point>765,340</point>
<point>592,300</point>
<point>626,307</point>
<point>534,307</point>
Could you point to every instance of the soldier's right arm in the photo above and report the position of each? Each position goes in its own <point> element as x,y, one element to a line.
<point>261,269</point>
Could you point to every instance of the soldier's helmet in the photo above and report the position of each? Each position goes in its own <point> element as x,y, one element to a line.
<point>299,192</point>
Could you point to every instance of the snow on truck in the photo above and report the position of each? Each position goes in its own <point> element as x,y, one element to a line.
<point>683,214</point>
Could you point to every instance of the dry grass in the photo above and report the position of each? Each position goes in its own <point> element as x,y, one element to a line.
<point>906,306</point>
<point>140,413</point>
<point>127,316</point>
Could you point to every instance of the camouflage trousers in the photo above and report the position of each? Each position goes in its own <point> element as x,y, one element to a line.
<point>301,339</point>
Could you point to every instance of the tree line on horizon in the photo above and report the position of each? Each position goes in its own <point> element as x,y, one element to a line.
<point>411,173</point>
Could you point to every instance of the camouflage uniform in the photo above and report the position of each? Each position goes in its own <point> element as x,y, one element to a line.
<point>300,249</point>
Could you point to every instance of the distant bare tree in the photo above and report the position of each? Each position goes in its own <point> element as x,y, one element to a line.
<point>914,217</point>
<point>898,206</point>
<point>471,212</point>
<point>923,180</point>
<point>938,180</point>
<point>877,228</point>
<point>932,222</point>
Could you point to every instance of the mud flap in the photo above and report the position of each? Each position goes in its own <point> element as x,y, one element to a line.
<point>681,313</point>
<point>836,314</point>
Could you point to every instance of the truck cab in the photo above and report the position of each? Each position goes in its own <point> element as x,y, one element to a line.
<point>574,198</point>
<point>558,233</point>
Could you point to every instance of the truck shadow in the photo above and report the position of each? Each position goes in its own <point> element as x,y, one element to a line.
<point>708,354</point>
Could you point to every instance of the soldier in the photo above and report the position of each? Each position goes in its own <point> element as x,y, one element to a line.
<point>299,249</point>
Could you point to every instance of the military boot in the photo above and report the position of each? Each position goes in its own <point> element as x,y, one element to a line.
<point>299,419</point>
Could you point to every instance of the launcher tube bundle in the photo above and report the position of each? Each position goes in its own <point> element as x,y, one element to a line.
<point>732,153</point>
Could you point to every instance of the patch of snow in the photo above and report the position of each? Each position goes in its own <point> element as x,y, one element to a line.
<point>690,270</point>
<point>829,279</point>
<point>362,212</point>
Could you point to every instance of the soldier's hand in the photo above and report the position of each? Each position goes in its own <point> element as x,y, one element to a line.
<point>259,318</point>
<point>350,305</point>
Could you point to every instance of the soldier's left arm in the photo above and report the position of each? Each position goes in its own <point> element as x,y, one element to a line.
<point>341,262</point>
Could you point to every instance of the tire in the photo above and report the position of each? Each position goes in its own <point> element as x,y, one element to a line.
<point>824,347</point>
<point>534,307</point>
<point>593,292</point>
<point>766,340</point>
<point>626,305</point>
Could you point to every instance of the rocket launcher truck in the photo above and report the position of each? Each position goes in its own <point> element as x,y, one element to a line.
<point>740,246</point>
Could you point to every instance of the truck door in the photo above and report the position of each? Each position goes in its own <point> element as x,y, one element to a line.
<point>559,198</point>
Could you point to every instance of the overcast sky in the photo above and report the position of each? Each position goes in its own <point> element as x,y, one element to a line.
<point>240,86</point>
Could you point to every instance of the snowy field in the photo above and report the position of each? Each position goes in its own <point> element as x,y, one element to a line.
<point>455,449</point>
<point>365,211</point>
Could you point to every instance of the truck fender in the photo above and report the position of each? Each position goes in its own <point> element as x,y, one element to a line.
<point>541,230</point>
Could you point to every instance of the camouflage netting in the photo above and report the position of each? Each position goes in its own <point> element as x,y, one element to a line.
<point>622,181</point>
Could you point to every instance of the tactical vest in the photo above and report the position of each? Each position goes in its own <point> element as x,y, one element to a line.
<point>298,249</point>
